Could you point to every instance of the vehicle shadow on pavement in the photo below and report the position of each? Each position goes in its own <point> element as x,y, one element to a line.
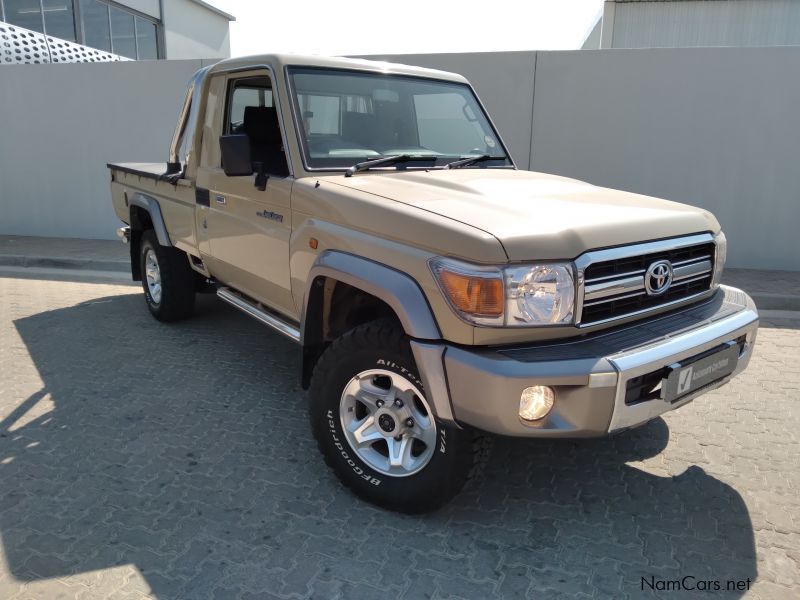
<point>184,450</point>
<point>782,322</point>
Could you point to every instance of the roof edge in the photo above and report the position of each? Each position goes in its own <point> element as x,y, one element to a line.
<point>279,61</point>
<point>214,9</point>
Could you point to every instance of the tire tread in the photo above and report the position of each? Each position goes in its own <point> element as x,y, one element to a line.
<point>471,457</point>
<point>177,281</point>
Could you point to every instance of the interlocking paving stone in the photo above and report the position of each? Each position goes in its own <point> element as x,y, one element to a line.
<point>140,460</point>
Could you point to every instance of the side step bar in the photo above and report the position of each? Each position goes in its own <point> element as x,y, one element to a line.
<point>260,313</point>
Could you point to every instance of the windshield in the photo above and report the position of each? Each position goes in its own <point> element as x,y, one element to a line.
<point>347,117</point>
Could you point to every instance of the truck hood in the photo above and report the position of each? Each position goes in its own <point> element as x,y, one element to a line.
<point>535,215</point>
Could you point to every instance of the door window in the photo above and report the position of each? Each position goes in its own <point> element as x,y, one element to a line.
<point>250,110</point>
<point>251,91</point>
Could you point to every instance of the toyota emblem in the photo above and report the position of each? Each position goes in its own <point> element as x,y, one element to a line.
<point>658,278</point>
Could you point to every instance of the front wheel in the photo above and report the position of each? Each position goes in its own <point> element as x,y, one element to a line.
<point>375,427</point>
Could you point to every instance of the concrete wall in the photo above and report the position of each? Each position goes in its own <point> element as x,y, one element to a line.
<point>192,30</point>
<point>147,7</point>
<point>714,127</point>
<point>62,123</point>
<point>717,128</point>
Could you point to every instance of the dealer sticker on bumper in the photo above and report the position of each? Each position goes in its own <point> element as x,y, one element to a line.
<point>695,373</point>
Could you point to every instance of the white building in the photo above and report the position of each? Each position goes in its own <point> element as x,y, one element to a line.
<point>135,29</point>
<point>681,23</point>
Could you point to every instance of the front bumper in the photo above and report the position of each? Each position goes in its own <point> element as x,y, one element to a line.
<point>590,375</point>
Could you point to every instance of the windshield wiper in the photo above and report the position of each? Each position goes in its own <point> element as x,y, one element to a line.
<point>469,160</point>
<point>385,160</point>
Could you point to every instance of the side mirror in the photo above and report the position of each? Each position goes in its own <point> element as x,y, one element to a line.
<point>235,150</point>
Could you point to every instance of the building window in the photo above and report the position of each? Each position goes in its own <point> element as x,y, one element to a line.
<point>24,13</point>
<point>146,39</point>
<point>96,26</point>
<point>59,19</point>
<point>123,33</point>
<point>93,23</point>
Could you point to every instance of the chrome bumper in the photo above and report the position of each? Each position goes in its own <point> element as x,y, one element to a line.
<point>124,233</point>
<point>482,387</point>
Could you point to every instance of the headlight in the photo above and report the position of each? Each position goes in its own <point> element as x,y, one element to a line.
<point>720,255</point>
<point>540,295</point>
<point>514,296</point>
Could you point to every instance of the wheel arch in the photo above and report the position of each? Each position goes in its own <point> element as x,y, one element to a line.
<point>368,290</point>
<point>145,213</point>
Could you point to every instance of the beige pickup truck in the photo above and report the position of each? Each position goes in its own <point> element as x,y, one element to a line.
<point>371,213</point>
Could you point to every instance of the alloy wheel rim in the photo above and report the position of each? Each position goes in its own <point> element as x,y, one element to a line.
<point>152,275</point>
<point>387,422</point>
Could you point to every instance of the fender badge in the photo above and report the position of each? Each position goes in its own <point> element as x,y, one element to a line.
<point>270,215</point>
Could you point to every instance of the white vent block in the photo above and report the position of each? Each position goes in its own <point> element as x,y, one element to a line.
<point>23,46</point>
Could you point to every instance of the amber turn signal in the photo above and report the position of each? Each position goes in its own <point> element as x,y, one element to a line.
<point>480,296</point>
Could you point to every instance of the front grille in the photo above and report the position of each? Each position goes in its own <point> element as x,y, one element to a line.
<point>614,280</point>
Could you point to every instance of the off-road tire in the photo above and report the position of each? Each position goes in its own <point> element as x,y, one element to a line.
<point>459,454</point>
<point>177,280</point>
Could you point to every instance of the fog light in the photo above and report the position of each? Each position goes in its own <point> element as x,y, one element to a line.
<point>535,402</point>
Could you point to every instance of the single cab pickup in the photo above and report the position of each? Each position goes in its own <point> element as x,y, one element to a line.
<point>371,213</point>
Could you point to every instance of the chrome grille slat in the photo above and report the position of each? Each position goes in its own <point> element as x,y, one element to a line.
<point>686,271</point>
<point>692,260</point>
<point>612,288</point>
<point>606,301</point>
<point>608,277</point>
<point>693,279</point>
<point>612,282</point>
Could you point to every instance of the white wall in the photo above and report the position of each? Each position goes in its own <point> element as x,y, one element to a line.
<point>713,127</point>
<point>147,7</point>
<point>63,122</point>
<point>191,30</point>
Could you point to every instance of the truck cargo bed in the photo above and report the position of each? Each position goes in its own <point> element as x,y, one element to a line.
<point>149,170</point>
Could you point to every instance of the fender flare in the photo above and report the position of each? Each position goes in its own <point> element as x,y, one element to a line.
<point>152,207</point>
<point>405,297</point>
<point>395,288</point>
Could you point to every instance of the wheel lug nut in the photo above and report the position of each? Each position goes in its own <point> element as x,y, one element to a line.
<point>398,438</point>
<point>409,422</point>
<point>379,403</point>
<point>398,403</point>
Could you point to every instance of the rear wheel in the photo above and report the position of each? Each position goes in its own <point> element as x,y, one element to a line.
<point>375,427</point>
<point>167,279</point>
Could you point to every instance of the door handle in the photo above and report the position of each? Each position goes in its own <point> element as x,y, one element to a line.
<point>220,199</point>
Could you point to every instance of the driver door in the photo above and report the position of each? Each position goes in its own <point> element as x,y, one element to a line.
<point>246,230</point>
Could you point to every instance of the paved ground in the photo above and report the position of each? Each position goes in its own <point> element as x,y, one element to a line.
<point>138,459</point>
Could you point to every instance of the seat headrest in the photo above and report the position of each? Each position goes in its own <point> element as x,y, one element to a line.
<point>261,124</point>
